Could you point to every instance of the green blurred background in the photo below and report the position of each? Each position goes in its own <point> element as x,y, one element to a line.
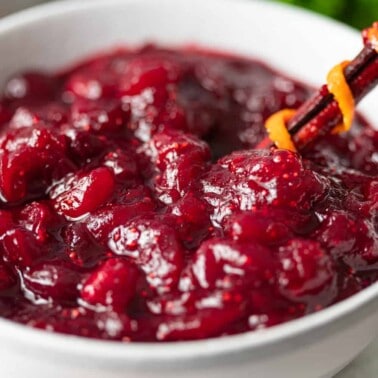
<point>357,13</point>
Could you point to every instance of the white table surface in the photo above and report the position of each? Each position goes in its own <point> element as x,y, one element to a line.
<point>366,365</point>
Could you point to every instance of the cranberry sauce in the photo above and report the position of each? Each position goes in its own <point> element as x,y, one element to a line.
<point>133,206</point>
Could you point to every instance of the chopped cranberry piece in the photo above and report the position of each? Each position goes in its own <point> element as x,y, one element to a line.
<point>147,73</point>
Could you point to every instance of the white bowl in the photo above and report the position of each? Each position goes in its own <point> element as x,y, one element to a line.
<point>296,42</point>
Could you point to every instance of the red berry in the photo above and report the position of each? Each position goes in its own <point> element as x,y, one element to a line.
<point>6,222</point>
<point>82,248</point>
<point>21,248</point>
<point>53,280</point>
<point>181,159</point>
<point>144,73</point>
<point>101,223</point>
<point>205,324</point>
<point>100,116</point>
<point>112,285</point>
<point>350,239</point>
<point>51,114</point>
<point>307,273</point>
<point>154,247</point>
<point>123,162</point>
<point>29,160</point>
<point>249,180</point>
<point>89,85</point>
<point>225,264</point>
<point>82,193</point>
<point>7,277</point>
<point>30,86</point>
<point>258,227</point>
<point>41,219</point>
<point>191,219</point>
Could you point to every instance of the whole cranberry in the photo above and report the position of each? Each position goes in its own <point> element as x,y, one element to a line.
<point>111,285</point>
<point>225,264</point>
<point>54,280</point>
<point>100,116</point>
<point>26,170</point>
<point>306,274</point>
<point>103,221</point>
<point>154,247</point>
<point>190,216</point>
<point>89,84</point>
<point>82,193</point>
<point>52,115</point>
<point>351,239</point>
<point>206,323</point>
<point>144,73</point>
<point>181,159</point>
<point>21,248</point>
<point>124,163</point>
<point>257,226</point>
<point>30,86</point>
<point>41,219</point>
<point>81,247</point>
<point>250,180</point>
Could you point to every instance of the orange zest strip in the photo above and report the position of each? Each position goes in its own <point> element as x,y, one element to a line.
<point>338,86</point>
<point>372,36</point>
<point>278,133</point>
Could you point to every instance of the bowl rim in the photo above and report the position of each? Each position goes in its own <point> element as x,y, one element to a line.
<point>180,350</point>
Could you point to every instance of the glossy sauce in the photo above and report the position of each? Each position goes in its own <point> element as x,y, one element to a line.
<point>134,207</point>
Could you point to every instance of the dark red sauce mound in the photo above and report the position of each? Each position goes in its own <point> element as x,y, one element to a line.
<point>133,206</point>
